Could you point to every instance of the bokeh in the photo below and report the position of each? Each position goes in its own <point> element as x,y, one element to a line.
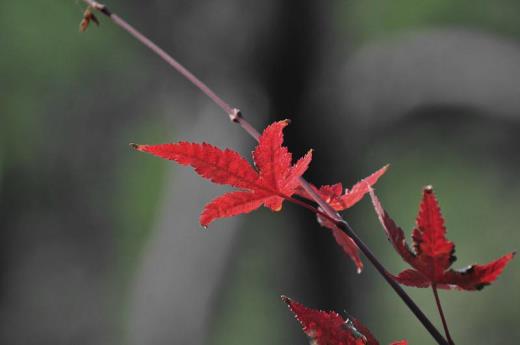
<point>100,244</point>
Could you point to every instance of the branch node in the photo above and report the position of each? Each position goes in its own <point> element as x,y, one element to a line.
<point>235,115</point>
<point>96,5</point>
<point>99,7</point>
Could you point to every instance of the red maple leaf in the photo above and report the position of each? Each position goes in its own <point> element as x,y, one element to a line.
<point>432,253</point>
<point>274,179</point>
<point>340,200</point>
<point>329,328</point>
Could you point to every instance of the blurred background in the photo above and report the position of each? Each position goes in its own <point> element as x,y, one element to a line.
<point>101,245</point>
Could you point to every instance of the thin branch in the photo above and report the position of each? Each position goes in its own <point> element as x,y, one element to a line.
<point>236,116</point>
<point>441,313</point>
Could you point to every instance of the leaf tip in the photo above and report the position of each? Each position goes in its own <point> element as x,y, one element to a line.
<point>277,208</point>
<point>428,189</point>
<point>204,221</point>
<point>135,146</point>
<point>206,218</point>
<point>510,256</point>
<point>285,299</point>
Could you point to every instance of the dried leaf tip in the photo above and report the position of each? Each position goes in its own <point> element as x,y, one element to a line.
<point>428,188</point>
<point>285,299</point>
<point>88,16</point>
<point>135,146</point>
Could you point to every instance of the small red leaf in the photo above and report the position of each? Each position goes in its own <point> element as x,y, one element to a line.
<point>344,241</point>
<point>433,253</point>
<point>358,191</point>
<point>329,328</point>
<point>339,201</point>
<point>333,195</point>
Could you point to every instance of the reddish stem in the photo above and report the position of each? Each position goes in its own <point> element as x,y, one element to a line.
<point>441,313</point>
<point>236,116</point>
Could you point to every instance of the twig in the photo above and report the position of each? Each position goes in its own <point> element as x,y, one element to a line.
<point>236,116</point>
<point>441,313</point>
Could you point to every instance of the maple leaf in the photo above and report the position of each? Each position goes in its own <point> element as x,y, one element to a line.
<point>340,200</point>
<point>329,328</point>
<point>432,253</point>
<point>274,179</point>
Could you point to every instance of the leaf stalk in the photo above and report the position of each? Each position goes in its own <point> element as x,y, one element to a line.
<point>441,313</point>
